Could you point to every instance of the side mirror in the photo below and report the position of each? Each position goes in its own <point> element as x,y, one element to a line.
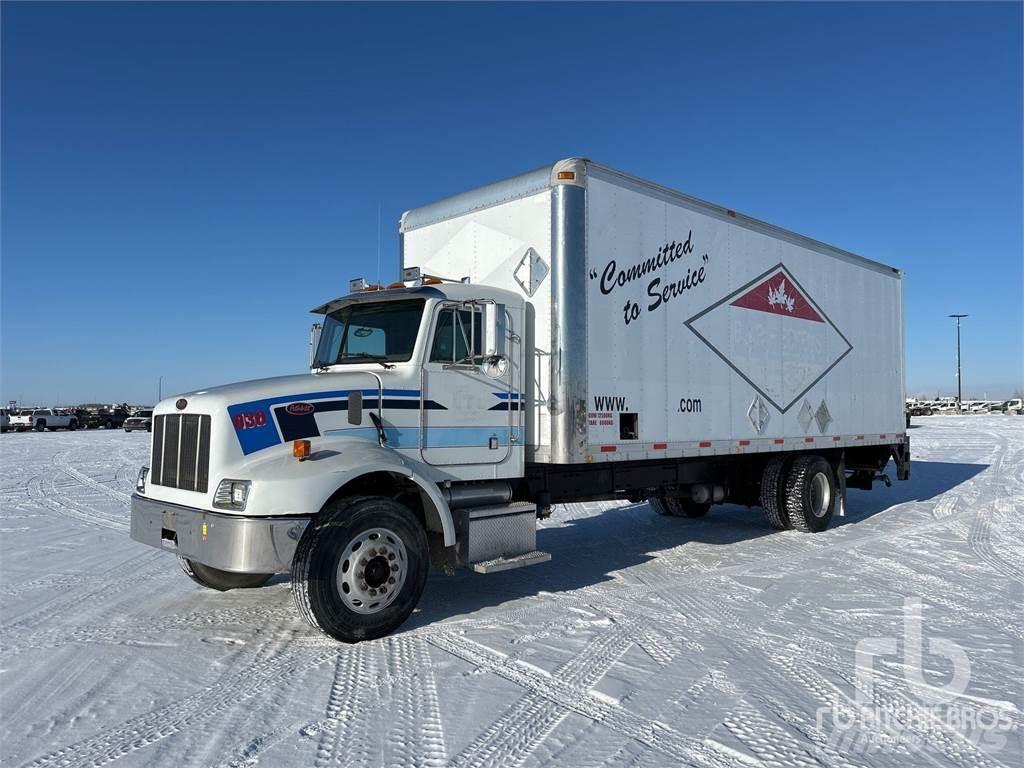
<point>314,341</point>
<point>355,407</point>
<point>494,330</point>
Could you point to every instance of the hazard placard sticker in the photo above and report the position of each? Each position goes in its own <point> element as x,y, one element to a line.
<point>772,333</point>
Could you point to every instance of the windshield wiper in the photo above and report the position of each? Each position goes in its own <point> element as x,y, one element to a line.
<point>382,359</point>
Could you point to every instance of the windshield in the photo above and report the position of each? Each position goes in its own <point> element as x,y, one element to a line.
<point>367,332</point>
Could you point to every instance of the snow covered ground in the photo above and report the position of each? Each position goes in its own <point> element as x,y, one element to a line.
<point>646,641</point>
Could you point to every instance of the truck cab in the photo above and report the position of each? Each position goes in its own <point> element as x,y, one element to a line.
<point>411,406</point>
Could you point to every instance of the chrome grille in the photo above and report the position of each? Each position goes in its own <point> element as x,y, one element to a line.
<point>181,452</point>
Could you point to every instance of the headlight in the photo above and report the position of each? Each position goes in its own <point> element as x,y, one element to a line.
<point>140,481</point>
<point>232,494</point>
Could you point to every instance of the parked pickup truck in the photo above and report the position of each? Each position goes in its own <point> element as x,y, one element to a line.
<point>44,418</point>
<point>108,419</point>
<point>139,420</point>
<point>573,334</point>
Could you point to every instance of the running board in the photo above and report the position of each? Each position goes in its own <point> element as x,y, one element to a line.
<point>508,563</point>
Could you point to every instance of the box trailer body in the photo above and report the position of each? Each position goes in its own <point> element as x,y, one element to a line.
<point>570,334</point>
<point>661,325</point>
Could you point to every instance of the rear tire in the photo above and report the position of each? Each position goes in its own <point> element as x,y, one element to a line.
<point>672,506</point>
<point>772,493</point>
<point>810,493</point>
<point>40,426</point>
<point>222,581</point>
<point>72,426</point>
<point>353,596</point>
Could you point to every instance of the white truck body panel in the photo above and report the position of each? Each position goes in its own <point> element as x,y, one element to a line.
<point>743,337</point>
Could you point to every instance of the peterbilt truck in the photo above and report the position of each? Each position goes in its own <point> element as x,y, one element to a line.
<point>570,334</point>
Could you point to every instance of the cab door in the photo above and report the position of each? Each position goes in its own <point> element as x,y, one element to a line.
<point>470,403</point>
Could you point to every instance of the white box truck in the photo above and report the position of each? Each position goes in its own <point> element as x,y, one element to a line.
<point>570,334</point>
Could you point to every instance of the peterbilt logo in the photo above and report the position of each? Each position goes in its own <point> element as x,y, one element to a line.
<point>300,409</point>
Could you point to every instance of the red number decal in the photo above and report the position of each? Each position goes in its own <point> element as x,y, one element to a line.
<point>249,420</point>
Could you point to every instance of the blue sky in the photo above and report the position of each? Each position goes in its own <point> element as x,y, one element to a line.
<point>181,183</point>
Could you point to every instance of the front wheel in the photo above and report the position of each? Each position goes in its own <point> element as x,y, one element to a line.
<point>360,568</point>
<point>72,426</point>
<point>222,581</point>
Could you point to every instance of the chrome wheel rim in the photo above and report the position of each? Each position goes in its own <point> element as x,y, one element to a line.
<point>372,570</point>
<point>821,495</point>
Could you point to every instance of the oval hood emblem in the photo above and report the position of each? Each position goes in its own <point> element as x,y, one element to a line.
<point>299,409</point>
<point>181,404</point>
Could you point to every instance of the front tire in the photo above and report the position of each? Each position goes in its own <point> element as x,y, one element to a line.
<point>810,493</point>
<point>360,568</point>
<point>222,581</point>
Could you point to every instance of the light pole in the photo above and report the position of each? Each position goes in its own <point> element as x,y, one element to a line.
<point>959,385</point>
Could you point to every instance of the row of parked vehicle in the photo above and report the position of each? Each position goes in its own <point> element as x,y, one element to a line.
<point>1013,407</point>
<point>43,419</point>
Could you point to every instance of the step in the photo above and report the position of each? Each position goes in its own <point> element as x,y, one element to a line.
<point>508,563</point>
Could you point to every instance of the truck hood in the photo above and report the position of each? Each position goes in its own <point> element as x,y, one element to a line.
<point>295,388</point>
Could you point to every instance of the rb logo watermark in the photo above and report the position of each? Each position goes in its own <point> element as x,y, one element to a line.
<point>882,721</point>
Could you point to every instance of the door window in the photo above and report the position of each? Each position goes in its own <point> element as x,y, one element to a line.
<point>457,332</point>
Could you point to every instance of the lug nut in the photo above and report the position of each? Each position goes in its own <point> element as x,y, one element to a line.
<point>391,580</point>
<point>394,567</point>
<point>373,592</point>
<point>391,556</point>
<point>381,551</point>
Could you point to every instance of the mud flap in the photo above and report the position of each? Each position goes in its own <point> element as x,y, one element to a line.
<point>901,455</point>
<point>840,470</point>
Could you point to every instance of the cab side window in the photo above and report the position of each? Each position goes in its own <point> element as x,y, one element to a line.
<point>456,331</point>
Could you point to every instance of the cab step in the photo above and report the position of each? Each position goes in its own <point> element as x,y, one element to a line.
<point>508,563</point>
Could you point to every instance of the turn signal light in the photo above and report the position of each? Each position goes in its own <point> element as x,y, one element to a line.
<point>433,281</point>
<point>566,175</point>
<point>300,449</point>
<point>396,285</point>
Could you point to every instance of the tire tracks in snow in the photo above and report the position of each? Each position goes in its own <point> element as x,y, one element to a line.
<point>145,730</point>
<point>653,734</point>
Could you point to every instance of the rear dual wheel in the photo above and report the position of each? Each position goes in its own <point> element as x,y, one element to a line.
<point>799,493</point>
<point>673,506</point>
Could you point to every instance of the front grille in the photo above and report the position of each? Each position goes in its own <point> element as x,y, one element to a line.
<point>181,452</point>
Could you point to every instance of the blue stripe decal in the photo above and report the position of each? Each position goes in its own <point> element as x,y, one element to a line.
<point>434,437</point>
<point>508,395</point>
<point>259,431</point>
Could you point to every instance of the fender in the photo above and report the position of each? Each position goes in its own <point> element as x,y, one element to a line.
<point>283,485</point>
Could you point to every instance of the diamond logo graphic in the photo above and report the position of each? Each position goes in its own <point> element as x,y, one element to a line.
<point>773,334</point>
<point>823,417</point>
<point>759,415</point>
<point>805,416</point>
<point>530,272</point>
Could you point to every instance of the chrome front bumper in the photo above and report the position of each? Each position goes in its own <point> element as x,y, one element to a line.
<point>228,542</point>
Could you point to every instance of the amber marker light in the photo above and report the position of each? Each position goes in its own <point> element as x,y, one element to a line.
<point>301,449</point>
